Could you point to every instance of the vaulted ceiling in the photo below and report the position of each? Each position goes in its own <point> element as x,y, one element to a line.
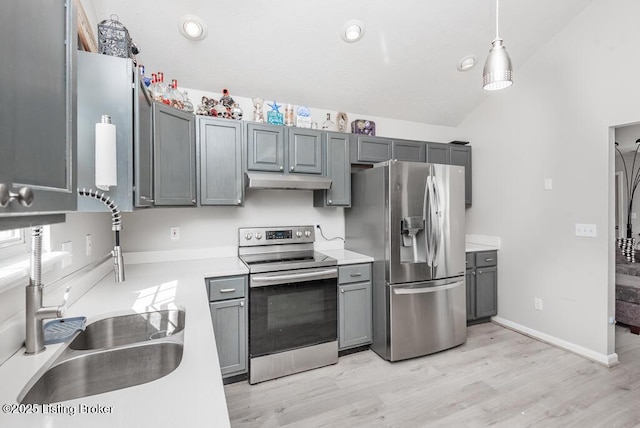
<point>405,66</point>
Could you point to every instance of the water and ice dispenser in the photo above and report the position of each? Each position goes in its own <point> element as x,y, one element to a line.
<point>413,249</point>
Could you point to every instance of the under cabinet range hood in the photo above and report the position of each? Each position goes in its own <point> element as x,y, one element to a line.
<point>260,180</point>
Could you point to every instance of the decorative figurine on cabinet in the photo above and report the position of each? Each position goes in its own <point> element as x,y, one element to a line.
<point>342,122</point>
<point>361,126</point>
<point>303,117</point>
<point>274,117</point>
<point>258,114</point>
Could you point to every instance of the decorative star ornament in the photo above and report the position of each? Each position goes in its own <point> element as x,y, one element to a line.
<point>275,106</point>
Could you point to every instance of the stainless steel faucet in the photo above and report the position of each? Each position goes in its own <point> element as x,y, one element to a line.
<point>36,313</point>
<point>116,226</point>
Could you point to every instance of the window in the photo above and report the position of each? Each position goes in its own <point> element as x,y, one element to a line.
<point>12,242</point>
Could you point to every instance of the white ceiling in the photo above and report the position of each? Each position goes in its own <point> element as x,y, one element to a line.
<point>291,50</point>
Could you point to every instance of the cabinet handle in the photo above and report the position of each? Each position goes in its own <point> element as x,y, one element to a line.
<point>342,290</point>
<point>144,198</point>
<point>24,196</point>
<point>281,168</point>
<point>291,169</point>
<point>479,272</point>
<point>242,303</point>
<point>473,273</point>
<point>488,260</point>
<point>355,275</point>
<point>227,290</point>
<point>330,201</point>
<point>239,201</point>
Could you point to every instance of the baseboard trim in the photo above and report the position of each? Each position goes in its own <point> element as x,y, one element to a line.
<point>606,360</point>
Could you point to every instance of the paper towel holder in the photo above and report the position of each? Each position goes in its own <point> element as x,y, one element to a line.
<point>106,161</point>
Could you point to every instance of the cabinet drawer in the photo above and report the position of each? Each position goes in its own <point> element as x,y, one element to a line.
<point>471,260</point>
<point>486,258</point>
<point>226,288</point>
<point>354,273</point>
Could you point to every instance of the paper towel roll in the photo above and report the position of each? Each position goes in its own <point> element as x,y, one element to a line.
<point>106,157</point>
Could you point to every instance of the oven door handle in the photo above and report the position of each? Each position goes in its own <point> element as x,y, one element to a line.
<point>263,280</point>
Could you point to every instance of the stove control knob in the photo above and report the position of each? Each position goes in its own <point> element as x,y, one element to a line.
<point>307,233</point>
<point>298,233</point>
<point>248,236</point>
<point>258,235</point>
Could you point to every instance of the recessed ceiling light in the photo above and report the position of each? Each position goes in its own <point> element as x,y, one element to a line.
<point>352,31</point>
<point>192,27</point>
<point>467,63</point>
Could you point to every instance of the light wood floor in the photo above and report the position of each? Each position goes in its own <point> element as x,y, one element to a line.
<point>498,377</point>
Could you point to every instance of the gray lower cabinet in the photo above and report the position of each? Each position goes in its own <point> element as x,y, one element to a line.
<point>482,285</point>
<point>228,304</point>
<point>220,166</point>
<point>37,108</point>
<point>174,156</point>
<point>337,168</point>
<point>354,306</point>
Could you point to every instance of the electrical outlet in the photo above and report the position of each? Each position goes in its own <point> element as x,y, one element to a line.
<point>588,230</point>
<point>88,245</point>
<point>174,233</point>
<point>548,184</point>
<point>537,303</point>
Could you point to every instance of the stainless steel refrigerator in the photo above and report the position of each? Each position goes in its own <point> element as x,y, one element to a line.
<point>410,218</point>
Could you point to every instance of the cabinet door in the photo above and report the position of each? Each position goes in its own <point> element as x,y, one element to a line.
<point>413,151</point>
<point>230,330</point>
<point>373,149</point>
<point>38,104</point>
<point>461,155</point>
<point>438,153</point>
<point>486,292</point>
<point>471,294</point>
<point>265,147</point>
<point>174,156</point>
<point>355,322</point>
<point>338,168</point>
<point>305,151</point>
<point>143,148</point>
<point>220,144</point>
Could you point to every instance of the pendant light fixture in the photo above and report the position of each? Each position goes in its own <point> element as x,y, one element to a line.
<point>498,72</point>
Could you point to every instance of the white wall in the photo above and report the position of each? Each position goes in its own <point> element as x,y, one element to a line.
<point>554,123</point>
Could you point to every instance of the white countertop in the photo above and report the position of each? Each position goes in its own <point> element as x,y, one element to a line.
<point>346,257</point>
<point>470,247</point>
<point>192,395</point>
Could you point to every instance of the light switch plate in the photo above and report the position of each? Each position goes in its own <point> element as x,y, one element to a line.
<point>548,184</point>
<point>588,230</point>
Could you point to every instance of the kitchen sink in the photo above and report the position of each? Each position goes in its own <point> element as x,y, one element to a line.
<point>126,329</point>
<point>111,354</point>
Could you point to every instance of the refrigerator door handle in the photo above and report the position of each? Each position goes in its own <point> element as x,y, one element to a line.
<point>422,290</point>
<point>426,217</point>
<point>436,224</point>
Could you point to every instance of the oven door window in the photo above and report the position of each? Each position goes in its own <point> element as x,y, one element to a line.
<point>290,316</point>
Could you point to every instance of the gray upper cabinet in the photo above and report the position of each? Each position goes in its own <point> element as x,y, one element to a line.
<point>371,149</point>
<point>114,96</point>
<point>461,155</point>
<point>438,153</point>
<point>305,151</point>
<point>413,151</point>
<point>174,156</point>
<point>338,169</point>
<point>265,147</point>
<point>220,152</point>
<point>37,107</point>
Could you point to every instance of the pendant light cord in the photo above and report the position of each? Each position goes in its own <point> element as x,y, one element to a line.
<point>497,20</point>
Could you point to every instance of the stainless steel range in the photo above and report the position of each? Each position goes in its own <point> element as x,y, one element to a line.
<point>293,301</point>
